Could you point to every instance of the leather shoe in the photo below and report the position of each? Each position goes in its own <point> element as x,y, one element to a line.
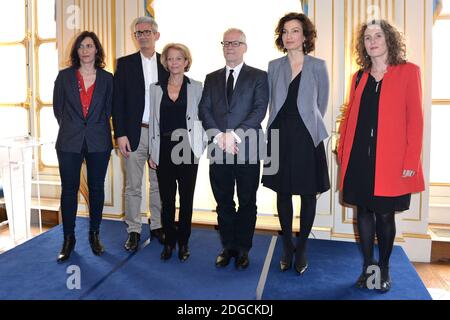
<point>166,254</point>
<point>242,261</point>
<point>132,243</point>
<point>67,248</point>
<point>158,234</point>
<point>96,245</point>
<point>223,259</point>
<point>183,252</point>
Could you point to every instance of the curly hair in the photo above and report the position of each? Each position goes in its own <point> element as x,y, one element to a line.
<point>99,56</point>
<point>309,31</point>
<point>394,41</point>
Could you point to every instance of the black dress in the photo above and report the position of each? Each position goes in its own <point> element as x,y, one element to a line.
<point>359,181</point>
<point>303,167</point>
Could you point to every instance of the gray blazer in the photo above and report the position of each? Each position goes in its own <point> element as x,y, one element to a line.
<point>312,99</point>
<point>196,134</point>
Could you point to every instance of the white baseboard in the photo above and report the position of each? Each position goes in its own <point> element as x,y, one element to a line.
<point>439,213</point>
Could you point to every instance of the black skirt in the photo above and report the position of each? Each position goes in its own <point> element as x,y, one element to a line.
<point>303,168</point>
<point>359,181</point>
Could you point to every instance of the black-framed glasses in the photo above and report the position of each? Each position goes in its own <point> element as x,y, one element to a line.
<point>231,43</point>
<point>146,33</point>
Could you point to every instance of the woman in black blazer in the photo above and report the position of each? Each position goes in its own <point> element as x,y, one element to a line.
<point>82,102</point>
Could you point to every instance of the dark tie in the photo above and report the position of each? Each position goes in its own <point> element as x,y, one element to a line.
<point>230,83</point>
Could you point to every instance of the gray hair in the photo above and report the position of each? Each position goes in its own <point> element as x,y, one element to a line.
<point>242,34</point>
<point>148,20</point>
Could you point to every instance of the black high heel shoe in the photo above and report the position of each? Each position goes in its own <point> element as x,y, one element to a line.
<point>67,248</point>
<point>301,269</point>
<point>183,252</point>
<point>166,254</point>
<point>362,280</point>
<point>301,263</point>
<point>286,261</point>
<point>364,276</point>
<point>386,282</point>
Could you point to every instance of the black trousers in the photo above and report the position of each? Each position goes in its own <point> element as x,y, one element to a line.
<point>69,170</point>
<point>169,175</point>
<point>236,227</point>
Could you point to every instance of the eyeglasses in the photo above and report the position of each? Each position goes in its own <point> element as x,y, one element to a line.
<point>235,44</point>
<point>147,33</point>
<point>87,46</point>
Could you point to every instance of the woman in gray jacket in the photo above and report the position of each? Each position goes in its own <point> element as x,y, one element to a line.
<point>298,101</point>
<point>177,141</point>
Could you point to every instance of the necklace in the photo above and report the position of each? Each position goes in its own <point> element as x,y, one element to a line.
<point>380,73</point>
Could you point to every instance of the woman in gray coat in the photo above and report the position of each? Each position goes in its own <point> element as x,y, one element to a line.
<point>177,141</point>
<point>298,101</point>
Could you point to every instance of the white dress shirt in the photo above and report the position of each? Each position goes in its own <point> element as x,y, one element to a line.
<point>150,69</point>
<point>236,72</point>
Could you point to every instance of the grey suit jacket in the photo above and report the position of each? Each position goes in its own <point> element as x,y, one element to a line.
<point>74,128</point>
<point>245,111</point>
<point>312,99</point>
<point>196,134</point>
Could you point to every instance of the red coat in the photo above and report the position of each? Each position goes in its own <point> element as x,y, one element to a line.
<point>399,134</point>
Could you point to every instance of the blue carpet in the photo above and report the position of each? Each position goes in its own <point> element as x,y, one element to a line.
<point>333,269</point>
<point>30,271</point>
<point>147,277</point>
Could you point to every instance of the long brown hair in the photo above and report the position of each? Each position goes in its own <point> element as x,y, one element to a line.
<point>394,41</point>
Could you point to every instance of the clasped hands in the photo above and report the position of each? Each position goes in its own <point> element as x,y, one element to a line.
<point>228,143</point>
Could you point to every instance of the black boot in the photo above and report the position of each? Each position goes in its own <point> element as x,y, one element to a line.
<point>96,245</point>
<point>67,248</point>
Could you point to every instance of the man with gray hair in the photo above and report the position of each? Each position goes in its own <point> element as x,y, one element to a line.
<point>233,105</point>
<point>130,114</point>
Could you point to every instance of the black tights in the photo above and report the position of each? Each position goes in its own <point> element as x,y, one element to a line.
<point>383,225</point>
<point>307,215</point>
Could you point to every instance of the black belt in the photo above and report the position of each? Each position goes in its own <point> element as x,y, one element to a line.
<point>144,125</point>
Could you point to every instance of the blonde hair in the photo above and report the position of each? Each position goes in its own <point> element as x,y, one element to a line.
<point>180,47</point>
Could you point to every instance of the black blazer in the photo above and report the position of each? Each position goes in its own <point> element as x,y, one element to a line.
<point>74,128</point>
<point>129,97</point>
<point>245,111</point>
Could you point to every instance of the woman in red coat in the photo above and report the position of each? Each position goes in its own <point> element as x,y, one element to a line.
<point>381,141</point>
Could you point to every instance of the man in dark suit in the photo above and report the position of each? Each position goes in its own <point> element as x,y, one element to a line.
<point>132,81</point>
<point>233,105</point>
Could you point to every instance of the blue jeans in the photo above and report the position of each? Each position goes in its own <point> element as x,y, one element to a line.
<point>69,170</point>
